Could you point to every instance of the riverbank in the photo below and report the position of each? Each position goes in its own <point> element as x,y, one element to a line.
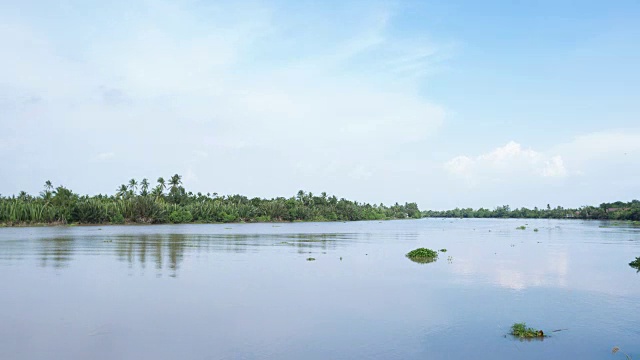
<point>180,206</point>
<point>130,223</point>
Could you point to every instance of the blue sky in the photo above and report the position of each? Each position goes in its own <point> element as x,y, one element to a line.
<point>450,104</point>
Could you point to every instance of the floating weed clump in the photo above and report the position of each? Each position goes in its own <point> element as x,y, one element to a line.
<point>311,259</point>
<point>443,250</point>
<point>522,331</point>
<point>422,255</point>
<point>635,264</point>
<point>521,227</point>
<point>617,349</point>
<point>536,229</point>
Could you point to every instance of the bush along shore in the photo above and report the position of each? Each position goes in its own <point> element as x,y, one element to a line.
<point>618,210</point>
<point>169,202</point>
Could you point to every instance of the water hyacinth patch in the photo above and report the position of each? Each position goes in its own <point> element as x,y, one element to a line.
<point>422,255</point>
<point>522,331</point>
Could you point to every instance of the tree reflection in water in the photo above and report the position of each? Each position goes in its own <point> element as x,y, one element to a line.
<point>167,251</point>
<point>56,252</point>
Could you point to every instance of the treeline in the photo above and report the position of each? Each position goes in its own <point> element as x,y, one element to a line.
<point>606,211</point>
<point>170,202</point>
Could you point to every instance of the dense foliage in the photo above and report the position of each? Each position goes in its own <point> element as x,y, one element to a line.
<point>522,331</point>
<point>422,255</point>
<point>422,252</point>
<point>607,211</point>
<point>169,202</point>
<point>635,263</point>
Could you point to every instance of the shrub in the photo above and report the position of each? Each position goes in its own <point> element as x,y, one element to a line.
<point>227,218</point>
<point>117,219</point>
<point>180,216</point>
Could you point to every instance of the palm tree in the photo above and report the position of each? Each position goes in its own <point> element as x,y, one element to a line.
<point>175,181</point>
<point>133,185</point>
<point>145,187</point>
<point>161,184</point>
<point>23,195</point>
<point>157,192</point>
<point>122,191</point>
<point>46,194</point>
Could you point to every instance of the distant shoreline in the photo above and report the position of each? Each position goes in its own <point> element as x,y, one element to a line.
<point>170,203</point>
<point>61,225</point>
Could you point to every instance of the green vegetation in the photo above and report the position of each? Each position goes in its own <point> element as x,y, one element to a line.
<point>170,202</point>
<point>522,331</point>
<point>616,349</point>
<point>522,227</point>
<point>443,250</point>
<point>536,229</point>
<point>311,259</point>
<point>635,264</point>
<point>618,210</point>
<point>422,255</point>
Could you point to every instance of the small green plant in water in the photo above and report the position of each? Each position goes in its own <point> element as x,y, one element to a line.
<point>521,227</point>
<point>617,349</point>
<point>443,250</point>
<point>635,264</point>
<point>536,229</point>
<point>422,255</point>
<point>522,331</point>
<point>311,259</point>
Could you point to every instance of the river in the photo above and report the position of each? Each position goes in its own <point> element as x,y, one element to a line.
<point>252,291</point>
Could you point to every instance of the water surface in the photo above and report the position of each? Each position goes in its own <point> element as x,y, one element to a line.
<point>247,291</point>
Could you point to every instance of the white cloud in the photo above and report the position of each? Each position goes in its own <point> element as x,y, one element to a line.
<point>104,156</point>
<point>554,167</point>
<point>590,150</point>
<point>172,85</point>
<point>510,162</point>
<point>564,174</point>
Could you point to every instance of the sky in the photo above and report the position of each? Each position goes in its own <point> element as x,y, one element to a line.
<point>444,103</point>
